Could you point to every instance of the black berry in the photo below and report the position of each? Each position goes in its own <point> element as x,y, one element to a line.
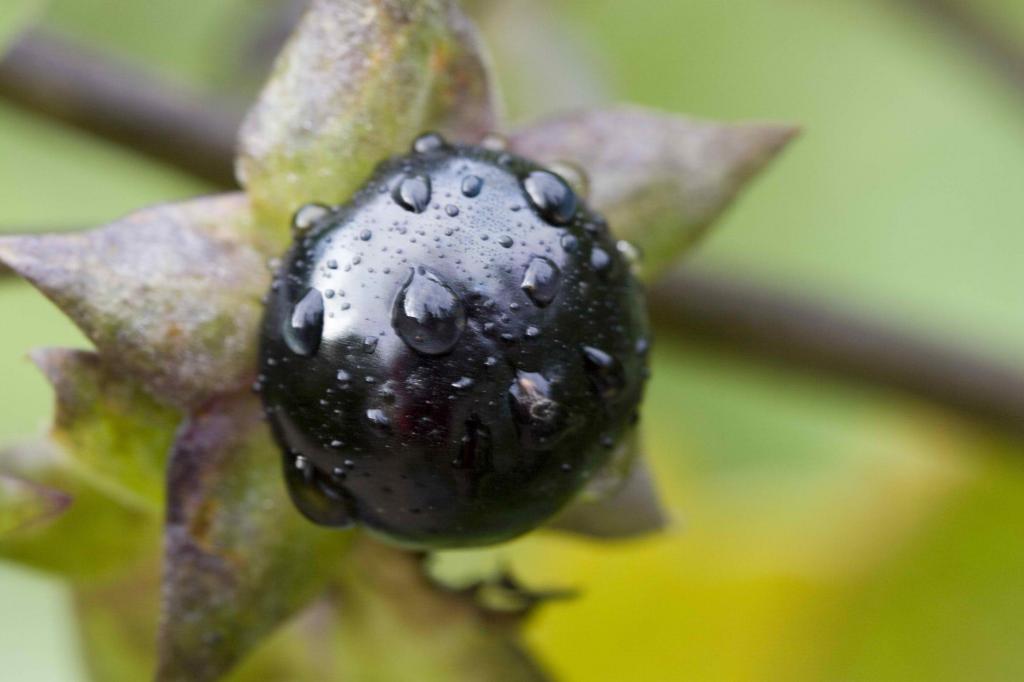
<point>446,358</point>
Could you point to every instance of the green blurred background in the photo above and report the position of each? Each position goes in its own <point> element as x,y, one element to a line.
<point>822,530</point>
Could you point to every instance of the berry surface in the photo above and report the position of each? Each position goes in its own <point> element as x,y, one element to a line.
<point>447,358</point>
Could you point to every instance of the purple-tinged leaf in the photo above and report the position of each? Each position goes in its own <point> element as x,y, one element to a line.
<point>116,434</point>
<point>661,180</point>
<point>170,295</point>
<point>25,505</point>
<point>239,559</point>
<point>633,510</point>
<point>397,624</point>
<point>620,502</point>
<point>356,83</point>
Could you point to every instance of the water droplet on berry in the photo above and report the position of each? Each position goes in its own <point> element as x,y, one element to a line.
<point>303,330</point>
<point>427,314</point>
<point>505,241</point>
<point>540,420</point>
<point>600,260</point>
<point>307,216</point>
<point>413,193</point>
<point>605,372</point>
<point>471,186</point>
<point>365,235</point>
<point>428,142</point>
<point>541,281</point>
<point>494,142</point>
<point>378,418</point>
<point>551,196</point>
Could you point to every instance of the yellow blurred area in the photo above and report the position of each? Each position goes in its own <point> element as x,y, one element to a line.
<point>784,573</point>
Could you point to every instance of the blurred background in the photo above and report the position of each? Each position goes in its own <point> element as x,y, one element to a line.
<point>825,526</point>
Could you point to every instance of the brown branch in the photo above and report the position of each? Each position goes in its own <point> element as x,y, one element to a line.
<point>111,99</point>
<point>989,42</point>
<point>800,331</point>
<point>196,135</point>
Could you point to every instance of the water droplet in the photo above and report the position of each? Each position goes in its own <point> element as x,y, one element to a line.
<point>551,196</point>
<point>494,142</point>
<point>541,281</point>
<point>491,361</point>
<point>574,175</point>
<point>413,193</point>
<point>605,372</point>
<point>532,332</point>
<point>370,344</point>
<point>629,251</point>
<point>427,314</point>
<point>600,260</point>
<point>452,210</point>
<point>378,418</point>
<point>428,142</point>
<point>643,346</point>
<point>319,498</point>
<point>307,216</point>
<point>303,330</point>
<point>462,383</point>
<point>570,243</point>
<point>505,241</point>
<point>365,235</point>
<point>540,420</point>
<point>332,264</point>
<point>471,186</point>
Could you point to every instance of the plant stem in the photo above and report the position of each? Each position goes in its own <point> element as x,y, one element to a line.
<point>196,133</point>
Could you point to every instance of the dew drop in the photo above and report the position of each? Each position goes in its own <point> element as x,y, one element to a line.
<point>494,142</point>
<point>378,418</point>
<point>365,235</point>
<point>452,210</point>
<point>574,175</point>
<point>600,260</point>
<point>462,383</point>
<point>570,243</point>
<point>540,420</point>
<point>307,216</point>
<point>505,240</point>
<point>319,498</point>
<point>551,196</point>
<point>428,142</point>
<point>303,330</point>
<point>413,193</point>
<point>605,372</point>
<point>427,314</point>
<point>471,186</point>
<point>541,281</point>
<point>370,345</point>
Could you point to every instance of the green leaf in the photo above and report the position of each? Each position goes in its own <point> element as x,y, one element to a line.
<point>399,625</point>
<point>238,558</point>
<point>92,536</point>
<point>170,295</point>
<point>661,180</point>
<point>117,435</point>
<point>356,83</point>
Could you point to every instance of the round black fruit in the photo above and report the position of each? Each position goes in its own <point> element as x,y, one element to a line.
<point>447,358</point>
